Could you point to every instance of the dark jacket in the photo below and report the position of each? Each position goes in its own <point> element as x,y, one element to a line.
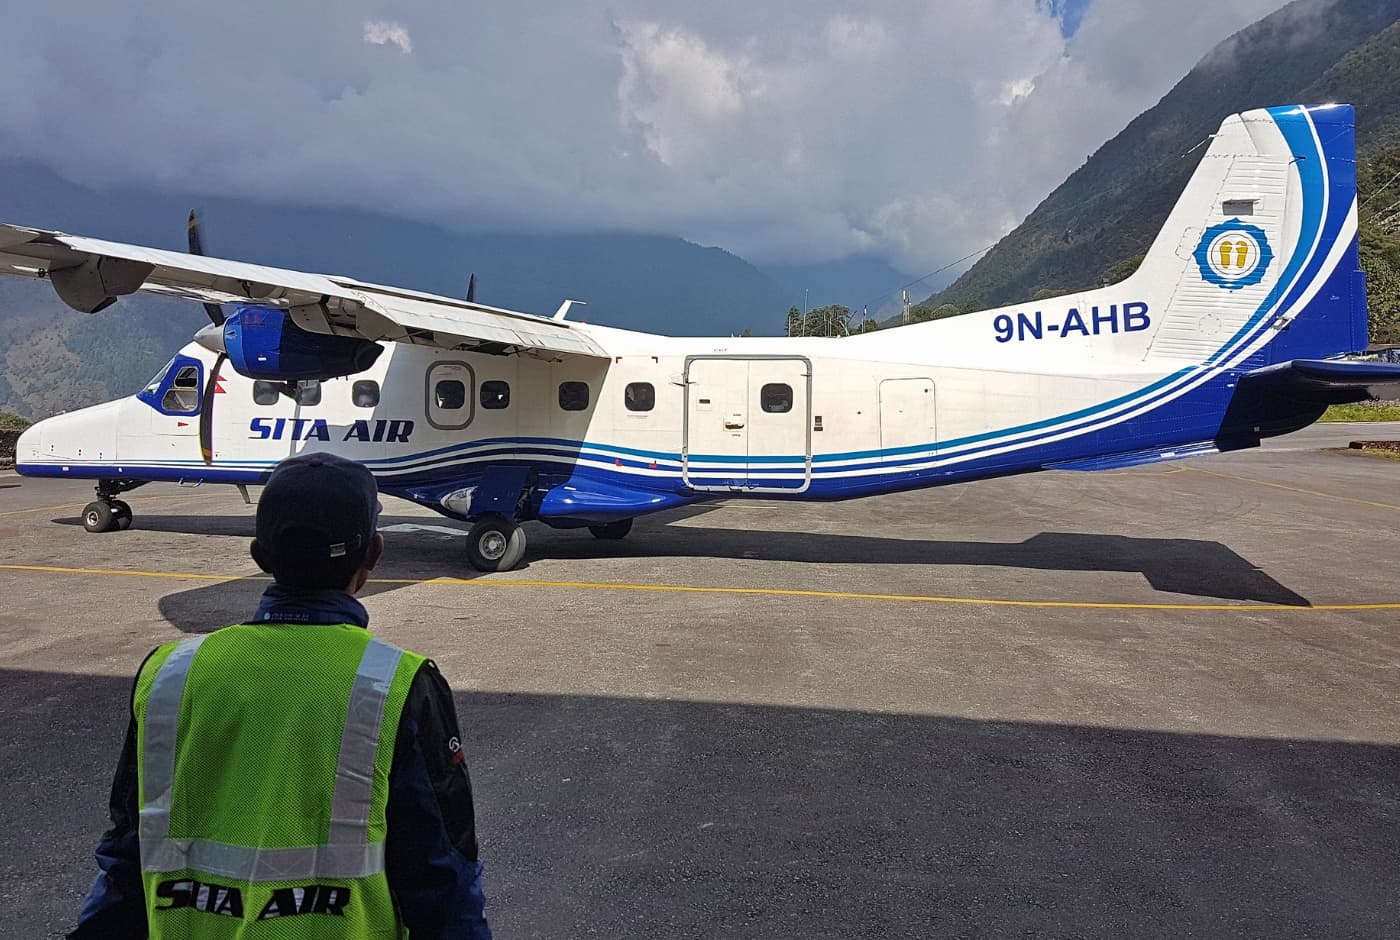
<point>430,848</point>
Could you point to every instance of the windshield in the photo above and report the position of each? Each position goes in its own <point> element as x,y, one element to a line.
<point>154,385</point>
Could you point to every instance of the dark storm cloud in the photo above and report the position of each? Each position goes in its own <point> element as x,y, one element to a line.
<point>783,130</point>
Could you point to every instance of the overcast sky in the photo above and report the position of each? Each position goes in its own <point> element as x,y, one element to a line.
<point>783,130</point>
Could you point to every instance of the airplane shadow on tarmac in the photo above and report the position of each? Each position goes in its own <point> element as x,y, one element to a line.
<point>1191,567</point>
<point>639,818</point>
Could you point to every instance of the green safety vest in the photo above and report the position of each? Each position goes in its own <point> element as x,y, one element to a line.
<point>264,754</point>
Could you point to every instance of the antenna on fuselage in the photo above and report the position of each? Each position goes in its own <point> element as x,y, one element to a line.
<point>471,289</point>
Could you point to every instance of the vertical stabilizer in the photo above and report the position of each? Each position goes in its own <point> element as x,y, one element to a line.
<point>1259,257</point>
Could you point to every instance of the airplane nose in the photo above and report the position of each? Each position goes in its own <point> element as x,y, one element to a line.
<point>211,338</point>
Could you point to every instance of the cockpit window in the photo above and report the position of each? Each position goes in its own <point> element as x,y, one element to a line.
<point>183,394</point>
<point>153,386</point>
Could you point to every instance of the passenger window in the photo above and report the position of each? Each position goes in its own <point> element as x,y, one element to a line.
<point>308,392</point>
<point>266,393</point>
<point>495,395</point>
<point>450,394</point>
<point>365,393</point>
<point>183,394</point>
<point>776,398</point>
<point>639,396</point>
<point>573,396</point>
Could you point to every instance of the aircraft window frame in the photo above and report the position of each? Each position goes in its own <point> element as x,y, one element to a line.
<point>467,412</point>
<point>365,393</point>
<point>308,393</point>
<point>769,402</point>
<point>571,398</point>
<point>494,398</point>
<point>639,397</point>
<point>188,390</point>
<point>261,388</point>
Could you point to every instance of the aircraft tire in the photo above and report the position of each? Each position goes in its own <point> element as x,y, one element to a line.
<point>122,513</point>
<point>99,516</point>
<point>495,544</point>
<point>612,530</point>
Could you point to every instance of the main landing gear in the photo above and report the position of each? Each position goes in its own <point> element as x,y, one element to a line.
<point>107,513</point>
<point>612,530</point>
<point>495,544</point>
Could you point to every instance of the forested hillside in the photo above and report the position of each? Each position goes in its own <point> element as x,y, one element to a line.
<point>1105,214</point>
<point>53,358</point>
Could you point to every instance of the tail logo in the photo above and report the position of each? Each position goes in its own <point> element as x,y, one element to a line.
<point>1234,254</point>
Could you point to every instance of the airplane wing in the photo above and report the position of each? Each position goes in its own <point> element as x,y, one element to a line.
<point>89,274</point>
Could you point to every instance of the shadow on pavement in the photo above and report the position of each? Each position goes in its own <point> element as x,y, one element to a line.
<point>410,556</point>
<point>644,818</point>
<point>1193,567</point>
<point>1177,566</point>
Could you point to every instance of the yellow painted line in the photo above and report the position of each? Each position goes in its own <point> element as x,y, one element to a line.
<point>171,575</point>
<point>741,591</point>
<point>1296,489</point>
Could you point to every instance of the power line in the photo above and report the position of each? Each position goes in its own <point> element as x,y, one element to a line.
<point>1379,191</point>
<point>920,280</point>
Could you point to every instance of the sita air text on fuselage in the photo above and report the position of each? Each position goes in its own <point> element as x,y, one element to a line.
<point>1234,328</point>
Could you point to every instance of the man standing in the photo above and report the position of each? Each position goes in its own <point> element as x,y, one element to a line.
<point>293,776</point>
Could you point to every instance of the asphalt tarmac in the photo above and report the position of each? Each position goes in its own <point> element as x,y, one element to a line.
<point>1152,703</point>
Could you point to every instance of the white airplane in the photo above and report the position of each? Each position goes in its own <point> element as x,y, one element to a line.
<point>1233,329</point>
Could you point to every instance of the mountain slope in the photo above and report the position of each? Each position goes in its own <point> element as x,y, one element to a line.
<point>1109,209</point>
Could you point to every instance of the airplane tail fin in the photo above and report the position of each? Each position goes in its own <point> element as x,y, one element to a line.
<point>1257,263</point>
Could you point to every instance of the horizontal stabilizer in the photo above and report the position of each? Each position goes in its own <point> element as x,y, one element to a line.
<point>1325,381</point>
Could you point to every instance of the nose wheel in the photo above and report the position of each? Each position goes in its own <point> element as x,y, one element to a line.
<point>495,544</point>
<point>104,515</point>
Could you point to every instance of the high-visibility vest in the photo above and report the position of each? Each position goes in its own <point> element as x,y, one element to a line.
<point>263,759</point>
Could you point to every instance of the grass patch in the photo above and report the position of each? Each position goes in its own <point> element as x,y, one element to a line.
<point>12,422</point>
<point>1363,411</point>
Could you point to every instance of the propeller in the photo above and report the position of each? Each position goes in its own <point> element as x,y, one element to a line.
<point>471,289</point>
<point>216,313</point>
<point>211,387</point>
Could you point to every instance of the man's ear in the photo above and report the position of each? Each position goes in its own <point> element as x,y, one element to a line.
<point>374,552</point>
<point>260,556</point>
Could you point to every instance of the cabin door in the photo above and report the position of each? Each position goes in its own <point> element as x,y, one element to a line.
<point>747,425</point>
<point>906,416</point>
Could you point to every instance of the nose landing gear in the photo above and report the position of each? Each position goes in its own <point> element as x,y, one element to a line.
<point>107,513</point>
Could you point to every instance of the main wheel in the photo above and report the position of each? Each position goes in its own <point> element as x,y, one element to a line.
<point>612,530</point>
<point>495,544</point>
<point>99,516</point>
<point>122,512</point>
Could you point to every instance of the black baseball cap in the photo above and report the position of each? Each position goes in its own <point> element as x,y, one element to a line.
<point>316,512</point>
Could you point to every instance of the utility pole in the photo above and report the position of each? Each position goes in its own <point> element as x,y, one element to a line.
<point>906,308</point>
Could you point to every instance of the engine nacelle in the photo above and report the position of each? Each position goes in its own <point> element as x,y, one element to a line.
<point>264,343</point>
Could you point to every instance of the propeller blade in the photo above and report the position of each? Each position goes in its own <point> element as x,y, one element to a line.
<point>192,230</point>
<point>206,411</point>
<point>471,289</point>
<point>216,313</point>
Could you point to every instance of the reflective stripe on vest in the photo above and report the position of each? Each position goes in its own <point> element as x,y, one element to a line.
<point>347,854</point>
